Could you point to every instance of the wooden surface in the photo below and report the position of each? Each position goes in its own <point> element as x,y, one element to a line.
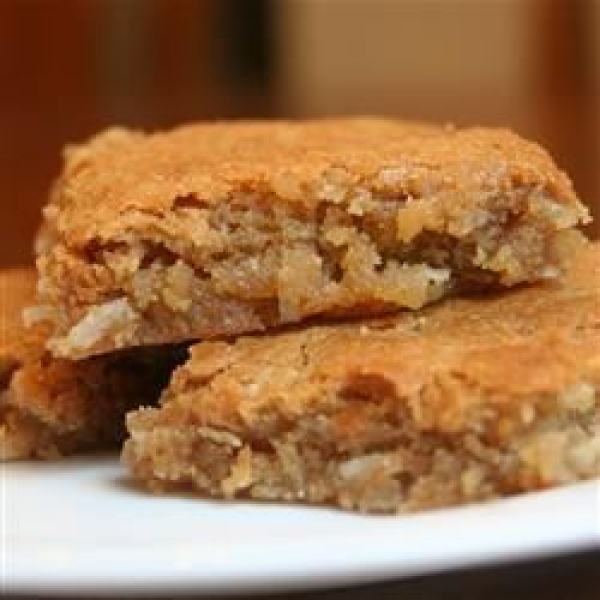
<point>575,577</point>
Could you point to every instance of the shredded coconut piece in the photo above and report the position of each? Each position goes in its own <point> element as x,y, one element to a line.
<point>110,316</point>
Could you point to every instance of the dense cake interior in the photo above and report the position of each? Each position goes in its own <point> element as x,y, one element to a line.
<point>252,262</point>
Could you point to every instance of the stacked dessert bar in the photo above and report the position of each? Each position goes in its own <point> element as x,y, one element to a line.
<point>380,315</point>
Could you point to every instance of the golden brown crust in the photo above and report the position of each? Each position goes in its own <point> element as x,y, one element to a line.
<point>226,228</point>
<point>50,407</point>
<point>120,170</point>
<point>497,368</point>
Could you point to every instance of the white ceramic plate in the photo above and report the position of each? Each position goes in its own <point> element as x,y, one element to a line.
<point>78,527</point>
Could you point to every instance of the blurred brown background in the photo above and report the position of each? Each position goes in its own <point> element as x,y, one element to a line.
<point>71,67</point>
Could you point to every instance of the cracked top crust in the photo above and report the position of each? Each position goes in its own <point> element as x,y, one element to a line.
<point>121,171</point>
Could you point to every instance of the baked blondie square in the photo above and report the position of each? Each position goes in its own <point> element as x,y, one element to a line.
<point>473,399</point>
<point>224,228</point>
<point>50,407</point>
